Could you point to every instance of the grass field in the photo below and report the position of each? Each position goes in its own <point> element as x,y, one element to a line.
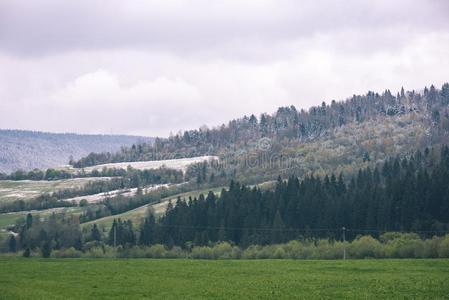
<point>223,279</point>
<point>159,208</point>
<point>28,189</point>
<point>8,219</point>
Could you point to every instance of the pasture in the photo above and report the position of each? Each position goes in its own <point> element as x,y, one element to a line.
<point>22,278</point>
<point>27,189</point>
<point>159,208</point>
<point>9,219</point>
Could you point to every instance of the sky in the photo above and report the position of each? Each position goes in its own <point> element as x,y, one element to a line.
<point>157,67</point>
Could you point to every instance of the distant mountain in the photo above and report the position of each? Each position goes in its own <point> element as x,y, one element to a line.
<point>27,150</point>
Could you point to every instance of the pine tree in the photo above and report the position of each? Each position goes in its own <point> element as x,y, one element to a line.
<point>12,244</point>
<point>27,252</point>
<point>277,229</point>
<point>29,221</point>
<point>95,233</point>
<point>46,249</point>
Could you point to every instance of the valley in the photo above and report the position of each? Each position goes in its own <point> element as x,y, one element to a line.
<point>286,176</point>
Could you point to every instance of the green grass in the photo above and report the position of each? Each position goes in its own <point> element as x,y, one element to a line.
<point>8,219</point>
<point>223,279</point>
<point>138,213</point>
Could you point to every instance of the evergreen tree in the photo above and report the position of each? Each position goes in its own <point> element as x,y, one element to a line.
<point>27,252</point>
<point>95,233</point>
<point>29,221</point>
<point>46,249</point>
<point>278,227</point>
<point>12,244</point>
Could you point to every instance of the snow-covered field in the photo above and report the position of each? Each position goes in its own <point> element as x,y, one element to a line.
<point>95,198</point>
<point>178,164</point>
<point>28,189</point>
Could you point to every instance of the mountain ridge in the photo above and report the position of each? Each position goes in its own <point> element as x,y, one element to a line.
<point>27,149</point>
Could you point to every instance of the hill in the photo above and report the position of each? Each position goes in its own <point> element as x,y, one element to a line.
<point>340,136</point>
<point>28,150</point>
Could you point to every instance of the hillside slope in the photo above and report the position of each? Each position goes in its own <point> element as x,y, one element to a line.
<point>342,136</point>
<point>27,150</point>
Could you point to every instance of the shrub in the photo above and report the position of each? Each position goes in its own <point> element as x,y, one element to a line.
<point>365,247</point>
<point>250,252</point>
<point>202,253</point>
<point>175,252</point>
<point>101,252</point>
<point>294,249</point>
<point>27,252</point>
<point>67,253</point>
<point>236,252</point>
<point>92,244</point>
<point>326,250</point>
<point>443,247</point>
<point>389,236</point>
<point>265,252</point>
<point>155,251</point>
<point>222,250</point>
<point>94,252</point>
<point>401,248</point>
<point>135,252</point>
<point>279,253</point>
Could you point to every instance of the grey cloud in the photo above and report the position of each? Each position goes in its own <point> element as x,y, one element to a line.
<point>30,27</point>
<point>151,67</point>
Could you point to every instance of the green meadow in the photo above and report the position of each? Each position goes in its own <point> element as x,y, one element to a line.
<point>22,278</point>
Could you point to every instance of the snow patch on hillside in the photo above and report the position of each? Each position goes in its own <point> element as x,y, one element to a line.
<point>95,198</point>
<point>178,164</point>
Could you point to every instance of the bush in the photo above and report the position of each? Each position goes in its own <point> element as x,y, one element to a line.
<point>101,252</point>
<point>66,253</point>
<point>236,252</point>
<point>202,253</point>
<point>401,248</point>
<point>265,252</point>
<point>93,244</point>
<point>394,245</point>
<point>365,247</point>
<point>27,252</point>
<point>327,250</point>
<point>222,250</point>
<point>251,252</point>
<point>443,247</point>
<point>176,252</point>
<point>279,253</point>
<point>155,251</point>
<point>389,236</point>
<point>134,252</point>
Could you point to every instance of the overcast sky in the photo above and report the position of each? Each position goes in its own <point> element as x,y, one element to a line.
<point>155,67</point>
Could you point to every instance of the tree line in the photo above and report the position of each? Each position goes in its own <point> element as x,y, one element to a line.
<point>61,237</point>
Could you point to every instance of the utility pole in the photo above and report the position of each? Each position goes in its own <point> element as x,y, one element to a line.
<point>344,242</point>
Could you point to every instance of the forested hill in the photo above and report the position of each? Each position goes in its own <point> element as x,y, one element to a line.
<point>334,137</point>
<point>401,195</point>
<point>291,123</point>
<point>27,150</point>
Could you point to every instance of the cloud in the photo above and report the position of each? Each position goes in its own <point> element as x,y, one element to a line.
<point>30,27</point>
<point>151,67</point>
